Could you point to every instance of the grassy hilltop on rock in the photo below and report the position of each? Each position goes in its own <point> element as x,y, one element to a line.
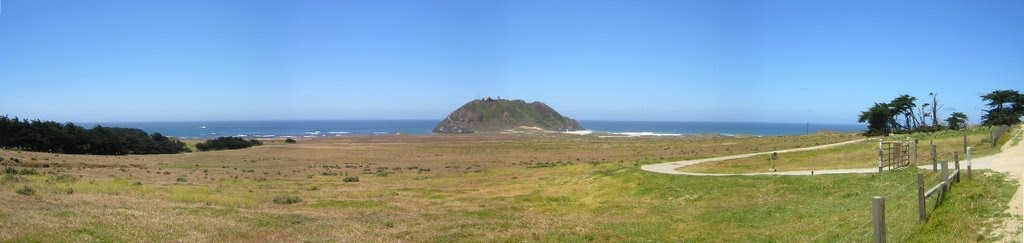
<point>490,115</point>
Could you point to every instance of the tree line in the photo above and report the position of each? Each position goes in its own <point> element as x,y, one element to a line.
<point>54,137</point>
<point>903,115</point>
<point>223,143</point>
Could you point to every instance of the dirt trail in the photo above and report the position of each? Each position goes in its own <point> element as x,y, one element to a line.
<point>670,167</point>
<point>1011,160</point>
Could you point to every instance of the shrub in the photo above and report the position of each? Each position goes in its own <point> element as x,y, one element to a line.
<point>26,171</point>
<point>26,190</point>
<point>11,178</point>
<point>223,143</point>
<point>289,140</point>
<point>181,179</point>
<point>286,200</point>
<point>351,179</point>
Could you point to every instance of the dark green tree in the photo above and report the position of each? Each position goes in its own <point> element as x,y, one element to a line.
<point>904,105</point>
<point>957,121</point>
<point>1007,106</point>
<point>49,136</point>
<point>879,118</point>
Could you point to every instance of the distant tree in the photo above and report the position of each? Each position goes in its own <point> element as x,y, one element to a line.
<point>879,118</point>
<point>289,140</point>
<point>901,116</point>
<point>957,121</point>
<point>924,113</point>
<point>904,105</point>
<point>935,109</point>
<point>1007,106</point>
<point>49,136</point>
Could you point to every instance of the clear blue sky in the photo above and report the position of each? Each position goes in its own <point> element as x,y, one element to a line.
<point>758,61</point>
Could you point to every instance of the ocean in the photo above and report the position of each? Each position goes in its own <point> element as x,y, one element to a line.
<point>275,129</point>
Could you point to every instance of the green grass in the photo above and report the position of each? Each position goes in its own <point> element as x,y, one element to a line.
<point>859,155</point>
<point>1017,137</point>
<point>966,211</point>
<point>607,202</point>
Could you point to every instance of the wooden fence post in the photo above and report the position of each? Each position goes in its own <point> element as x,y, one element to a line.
<point>879,155</point>
<point>915,152</point>
<point>969,163</point>
<point>935,159</point>
<point>965,142</point>
<point>878,217</point>
<point>956,164</point>
<point>921,211</point>
<point>945,174</point>
<point>992,137</point>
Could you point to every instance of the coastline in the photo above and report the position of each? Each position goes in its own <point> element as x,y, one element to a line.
<point>341,128</point>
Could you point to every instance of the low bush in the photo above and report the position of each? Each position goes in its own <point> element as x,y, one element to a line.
<point>11,178</point>
<point>287,200</point>
<point>289,140</point>
<point>351,179</point>
<point>26,171</point>
<point>26,190</point>
<point>181,179</point>
<point>223,143</point>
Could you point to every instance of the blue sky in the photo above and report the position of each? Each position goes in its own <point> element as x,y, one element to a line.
<point>755,61</point>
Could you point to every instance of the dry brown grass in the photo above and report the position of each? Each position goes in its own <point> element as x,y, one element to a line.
<point>430,188</point>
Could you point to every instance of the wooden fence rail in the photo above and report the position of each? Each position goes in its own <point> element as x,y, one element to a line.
<point>998,134</point>
<point>939,190</point>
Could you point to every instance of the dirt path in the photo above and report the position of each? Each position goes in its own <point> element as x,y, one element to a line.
<point>670,167</point>
<point>1011,160</point>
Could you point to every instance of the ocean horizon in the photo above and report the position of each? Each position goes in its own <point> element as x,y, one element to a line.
<point>333,128</point>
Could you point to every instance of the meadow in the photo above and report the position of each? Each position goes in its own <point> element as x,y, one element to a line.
<point>469,188</point>
<point>863,154</point>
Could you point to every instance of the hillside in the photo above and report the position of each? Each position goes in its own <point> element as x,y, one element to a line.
<point>488,115</point>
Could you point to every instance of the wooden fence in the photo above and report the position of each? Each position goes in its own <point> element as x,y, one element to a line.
<point>994,136</point>
<point>938,192</point>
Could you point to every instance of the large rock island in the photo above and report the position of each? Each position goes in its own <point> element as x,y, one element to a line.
<point>492,115</point>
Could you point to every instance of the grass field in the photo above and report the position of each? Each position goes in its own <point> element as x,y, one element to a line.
<point>467,188</point>
<point>861,155</point>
